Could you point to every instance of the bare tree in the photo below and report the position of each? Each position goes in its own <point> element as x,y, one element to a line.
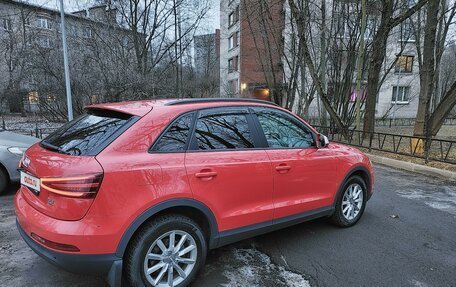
<point>334,56</point>
<point>165,30</point>
<point>429,119</point>
<point>388,20</point>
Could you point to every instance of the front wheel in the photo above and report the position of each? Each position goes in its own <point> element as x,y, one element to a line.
<point>167,251</point>
<point>351,203</point>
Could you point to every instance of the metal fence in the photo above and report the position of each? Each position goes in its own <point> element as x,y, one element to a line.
<point>406,122</point>
<point>438,149</point>
<point>37,132</point>
<point>399,122</point>
<point>31,125</point>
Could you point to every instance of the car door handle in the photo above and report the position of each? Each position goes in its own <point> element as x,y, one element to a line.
<point>206,174</point>
<point>283,168</point>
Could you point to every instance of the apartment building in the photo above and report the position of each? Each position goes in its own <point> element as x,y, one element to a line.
<point>29,32</point>
<point>250,48</point>
<point>207,53</point>
<point>243,52</point>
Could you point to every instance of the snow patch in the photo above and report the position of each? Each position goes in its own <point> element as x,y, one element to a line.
<point>418,283</point>
<point>257,270</point>
<point>444,199</point>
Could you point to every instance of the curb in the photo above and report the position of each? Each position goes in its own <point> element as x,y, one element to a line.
<point>410,166</point>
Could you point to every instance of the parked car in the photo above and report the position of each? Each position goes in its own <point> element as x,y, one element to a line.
<point>143,189</point>
<point>12,147</point>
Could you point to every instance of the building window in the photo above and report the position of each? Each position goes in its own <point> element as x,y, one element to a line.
<point>404,64</point>
<point>410,3</point>
<point>50,98</point>
<point>407,31</point>
<point>73,30</point>
<point>233,87</point>
<point>6,24</point>
<point>233,40</point>
<point>371,27</point>
<point>233,64</point>
<point>347,24</point>
<point>87,32</point>
<point>44,23</point>
<point>45,42</point>
<point>32,97</point>
<point>401,94</point>
<point>233,18</point>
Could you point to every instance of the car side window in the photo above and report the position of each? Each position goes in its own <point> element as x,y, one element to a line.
<point>223,131</point>
<point>282,132</point>
<point>175,138</point>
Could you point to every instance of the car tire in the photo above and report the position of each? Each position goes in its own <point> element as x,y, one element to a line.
<point>347,209</point>
<point>4,181</point>
<point>146,242</point>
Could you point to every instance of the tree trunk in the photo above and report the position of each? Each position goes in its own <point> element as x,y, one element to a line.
<point>442,110</point>
<point>375,66</point>
<point>378,56</point>
<point>298,15</point>
<point>323,58</point>
<point>427,72</point>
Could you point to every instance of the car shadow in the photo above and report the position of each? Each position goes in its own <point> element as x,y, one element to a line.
<point>11,189</point>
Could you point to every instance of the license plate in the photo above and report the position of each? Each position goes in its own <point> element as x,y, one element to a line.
<point>31,182</point>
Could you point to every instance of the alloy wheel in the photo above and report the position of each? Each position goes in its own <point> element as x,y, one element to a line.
<point>352,201</point>
<point>170,259</point>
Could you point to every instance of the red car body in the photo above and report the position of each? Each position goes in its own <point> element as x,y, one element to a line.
<point>233,194</point>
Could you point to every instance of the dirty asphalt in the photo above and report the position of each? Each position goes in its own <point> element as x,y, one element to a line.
<point>407,237</point>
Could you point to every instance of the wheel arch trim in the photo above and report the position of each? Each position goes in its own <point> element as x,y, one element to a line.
<point>162,206</point>
<point>359,168</point>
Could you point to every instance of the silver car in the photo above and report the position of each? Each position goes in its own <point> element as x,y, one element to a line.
<point>12,147</point>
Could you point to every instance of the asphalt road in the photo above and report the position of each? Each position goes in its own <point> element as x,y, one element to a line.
<point>407,237</point>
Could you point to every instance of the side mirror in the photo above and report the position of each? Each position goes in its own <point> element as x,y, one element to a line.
<point>324,141</point>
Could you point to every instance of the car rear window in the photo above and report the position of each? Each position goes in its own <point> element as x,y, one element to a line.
<point>87,134</point>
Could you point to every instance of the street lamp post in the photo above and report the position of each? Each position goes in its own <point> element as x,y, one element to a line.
<point>65,63</point>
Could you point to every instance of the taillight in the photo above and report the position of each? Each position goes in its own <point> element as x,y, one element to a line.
<point>81,186</point>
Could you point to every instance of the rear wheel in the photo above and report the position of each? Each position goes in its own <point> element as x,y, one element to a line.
<point>167,251</point>
<point>351,203</point>
<point>4,181</point>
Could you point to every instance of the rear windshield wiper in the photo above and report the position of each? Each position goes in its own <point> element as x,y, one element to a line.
<point>52,147</point>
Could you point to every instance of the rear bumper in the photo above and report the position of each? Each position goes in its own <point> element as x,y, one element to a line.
<point>98,264</point>
<point>29,220</point>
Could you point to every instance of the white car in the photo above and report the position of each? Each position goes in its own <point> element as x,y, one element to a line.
<point>12,147</point>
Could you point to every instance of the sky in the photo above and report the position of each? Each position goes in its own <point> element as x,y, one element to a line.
<point>212,23</point>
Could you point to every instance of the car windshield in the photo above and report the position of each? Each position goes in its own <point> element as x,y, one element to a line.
<point>87,134</point>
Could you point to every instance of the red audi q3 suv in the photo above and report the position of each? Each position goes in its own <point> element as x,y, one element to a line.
<point>139,191</point>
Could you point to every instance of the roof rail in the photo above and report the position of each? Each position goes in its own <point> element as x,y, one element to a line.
<point>215,100</point>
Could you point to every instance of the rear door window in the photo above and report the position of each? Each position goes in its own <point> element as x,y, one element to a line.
<point>88,134</point>
<point>223,131</point>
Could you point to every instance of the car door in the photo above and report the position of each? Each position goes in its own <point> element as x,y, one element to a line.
<point>303,173</point>
<point>227,171</point>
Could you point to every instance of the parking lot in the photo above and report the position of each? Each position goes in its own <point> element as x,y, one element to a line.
<point>407,237</point>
